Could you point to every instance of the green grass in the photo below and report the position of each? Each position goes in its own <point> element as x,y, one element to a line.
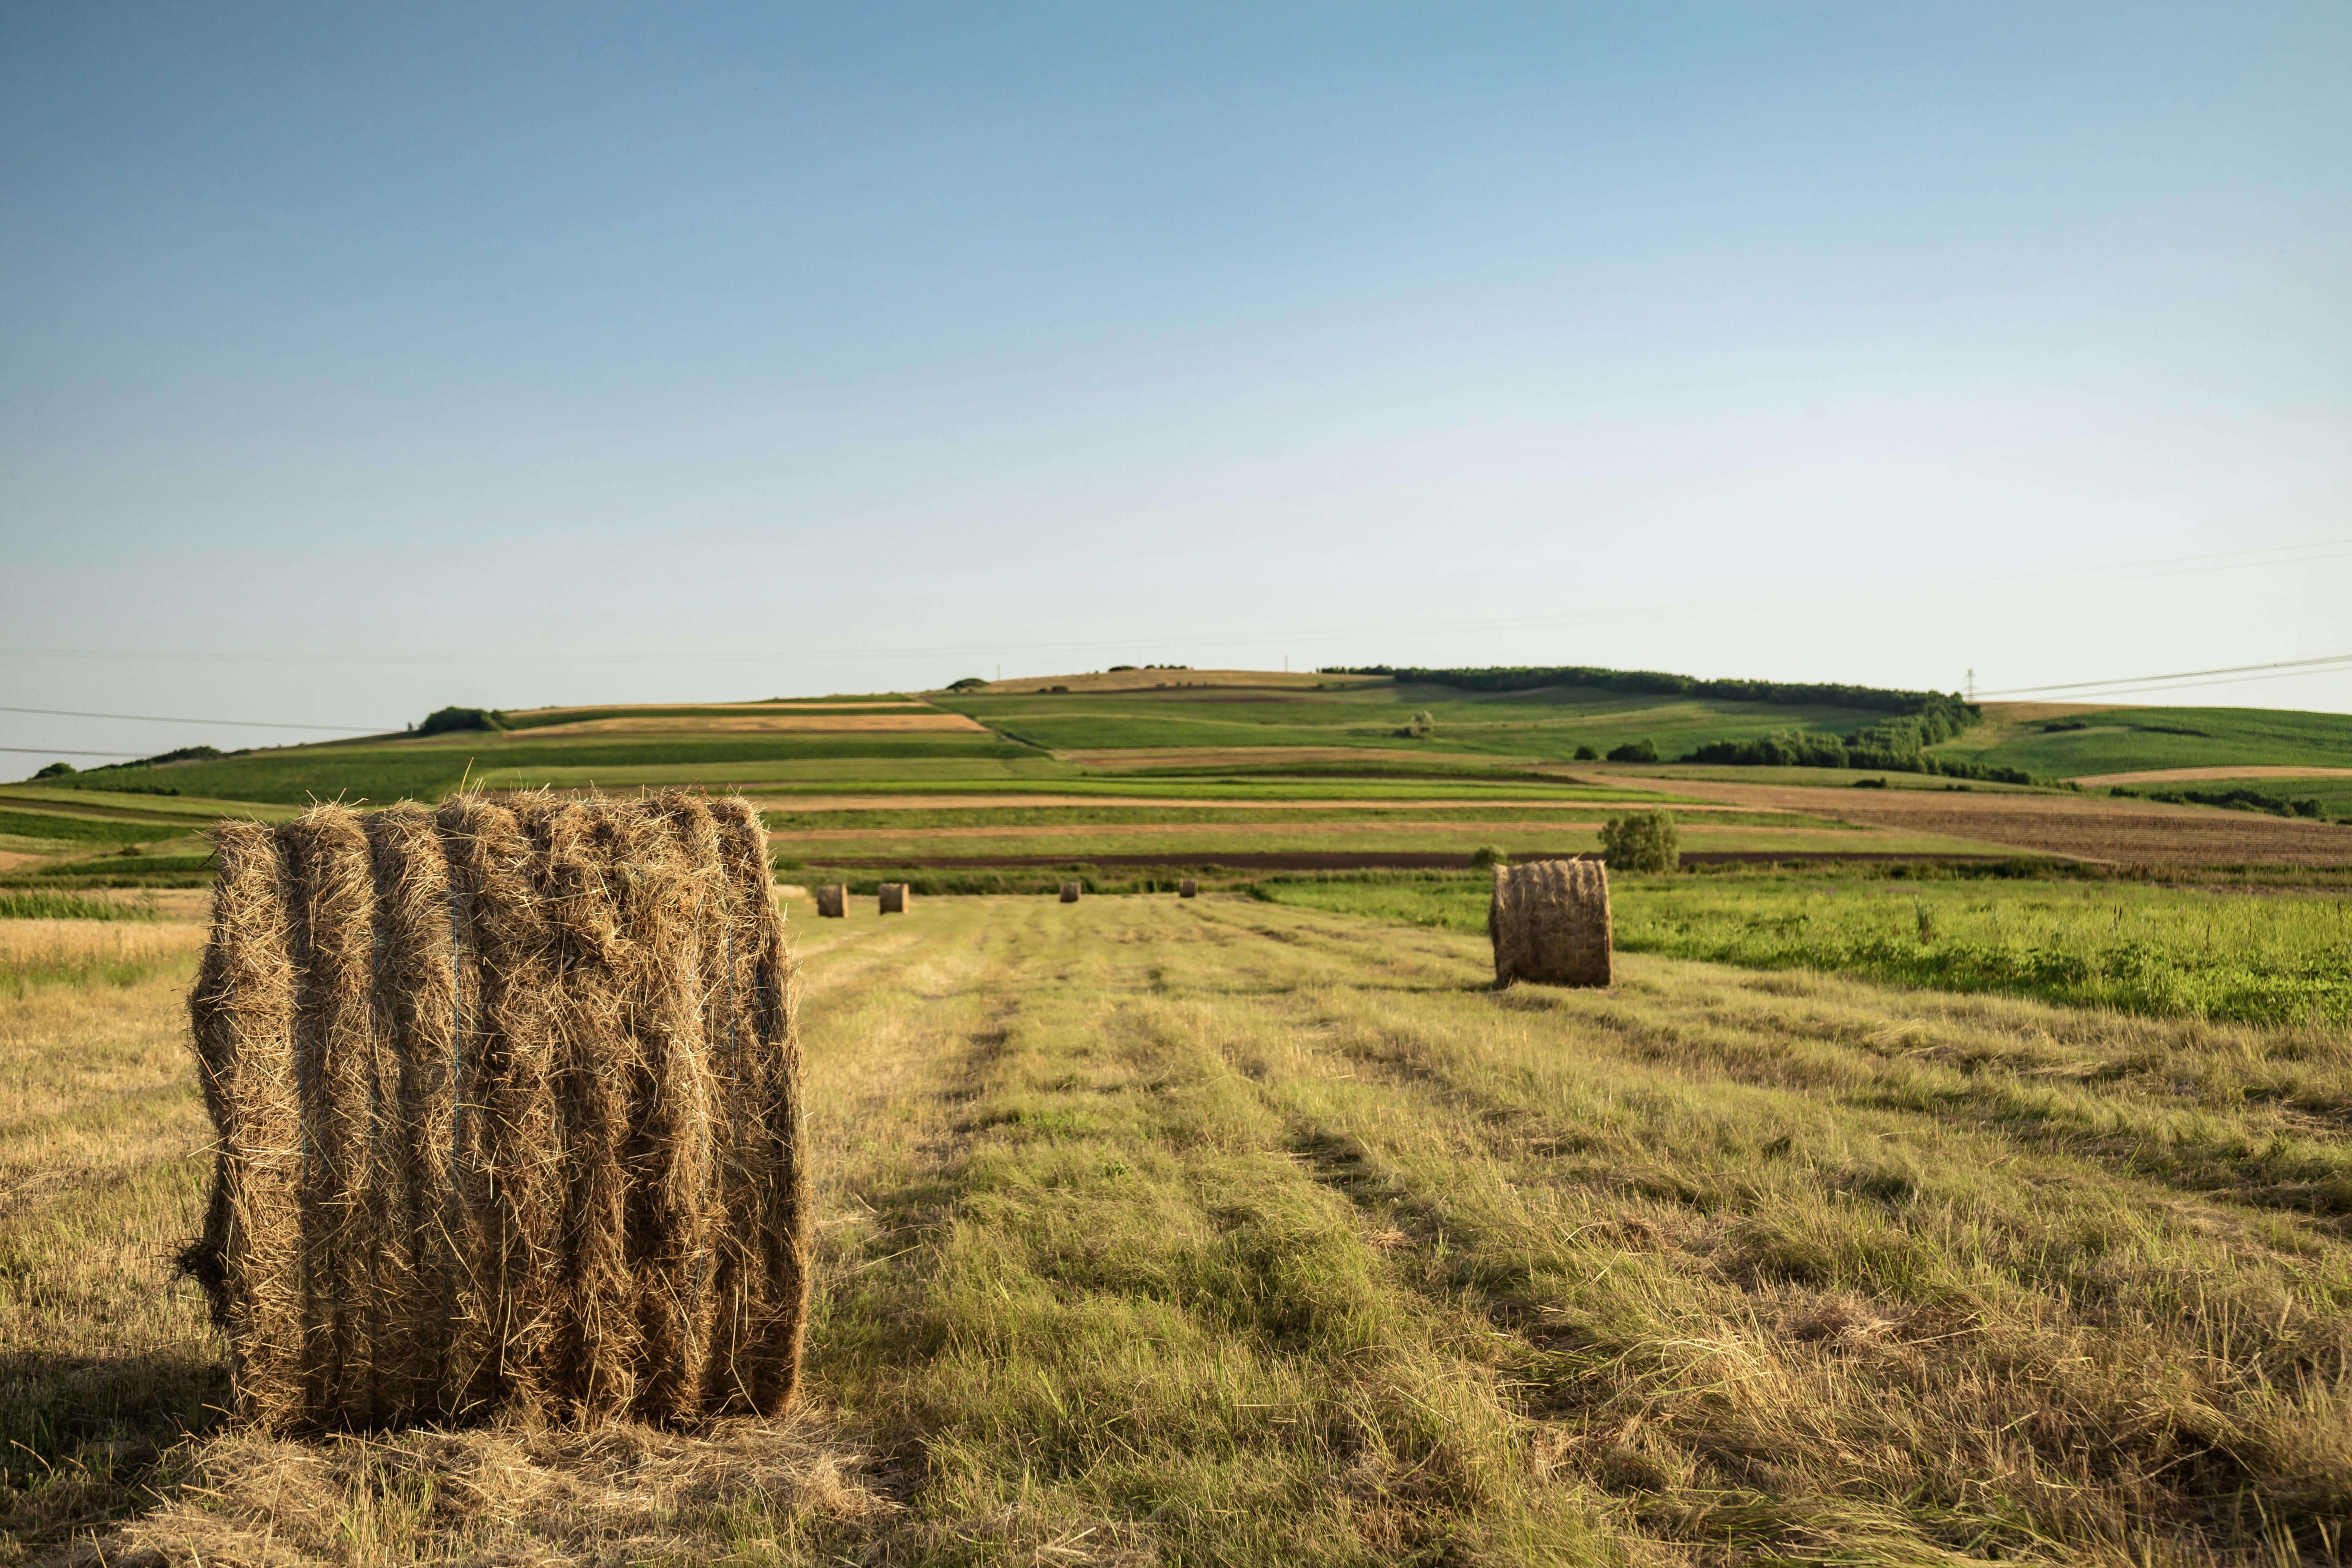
<point>2128,739</point>
<point>49,904</point>
<point>57,828</point>
<point>2279,958</point>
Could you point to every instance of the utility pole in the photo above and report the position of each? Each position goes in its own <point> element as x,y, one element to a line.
<point>1972,686</point>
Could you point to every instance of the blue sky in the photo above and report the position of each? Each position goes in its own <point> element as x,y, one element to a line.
<point>356,362</point>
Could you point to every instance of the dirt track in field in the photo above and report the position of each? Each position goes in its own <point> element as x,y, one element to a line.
<point>2124,832</point>
<point>2197,775</point>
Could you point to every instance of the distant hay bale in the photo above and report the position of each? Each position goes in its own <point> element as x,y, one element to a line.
<point>1549,923</point>
<point>833,901</point>
<point>508,1105</point>
<point>894,898</point>
<point>1069,892</point>
<point>1187,889</point>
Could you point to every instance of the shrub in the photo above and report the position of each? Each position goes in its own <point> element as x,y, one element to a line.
<point>1870,783</point>
<point>1642,751</point>
<point>1585,753</point>
<point>1645,841</point>
<point>55,770</point>
<point>968,683</point>
<point>441,720</point>
<point>1418,727</point>
<point>1488,855</point>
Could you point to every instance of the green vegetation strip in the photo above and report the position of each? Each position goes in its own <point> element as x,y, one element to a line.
<point>2276,959</point>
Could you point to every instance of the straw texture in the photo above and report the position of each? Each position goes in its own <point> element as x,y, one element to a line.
<point>508,1102</point>
<point>833,900</point>
<point>1549,923</point>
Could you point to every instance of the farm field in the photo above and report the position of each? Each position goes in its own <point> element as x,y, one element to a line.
<point>2077,741</point>
<point>2081,827</point>
<point>1223,1230</point>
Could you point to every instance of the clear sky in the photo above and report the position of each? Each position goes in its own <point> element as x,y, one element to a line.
<point>358,359</point>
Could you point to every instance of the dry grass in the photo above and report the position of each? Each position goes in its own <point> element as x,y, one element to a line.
<point>770,722</point>
<point>1216,1231</point>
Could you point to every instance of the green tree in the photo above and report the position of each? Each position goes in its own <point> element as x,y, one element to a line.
<point>1644,841</point>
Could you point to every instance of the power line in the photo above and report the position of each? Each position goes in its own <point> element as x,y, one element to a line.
<point>2301,666</point>
<point>223,724</point>
<point>63,752</point>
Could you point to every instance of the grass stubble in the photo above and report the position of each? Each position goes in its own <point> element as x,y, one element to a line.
<point>1220,1231</point>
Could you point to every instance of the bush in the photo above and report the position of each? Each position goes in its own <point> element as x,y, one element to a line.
<point>1587,755</point>
<point>1418,727</point>
<point>1488,855</point>
<point>55,770</point>
<point>1642,751</point>
<point>1645,841</point>
<point>441,720</point>
<point>1870,783</point>
<point>968,683</point>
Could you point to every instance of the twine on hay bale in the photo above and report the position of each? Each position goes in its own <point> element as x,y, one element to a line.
<point>509,1106</point>
<point>1069,892</point>
<point>1187,887</point>
<point>894,898</point>
<point>833,901</point>
<point>1549,923</point>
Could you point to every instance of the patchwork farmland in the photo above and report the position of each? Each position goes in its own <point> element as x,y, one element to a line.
<point>1955,1169</point>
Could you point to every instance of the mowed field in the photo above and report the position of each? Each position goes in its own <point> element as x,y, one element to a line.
<point>1228,1231</point>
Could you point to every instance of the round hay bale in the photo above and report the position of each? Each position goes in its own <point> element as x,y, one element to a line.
<point>1069,892</point>
<point>1188,889</point>
<point>1549,923</point>
<point>509,1116</point>
<point>833,901</point>
<point>894,898</point>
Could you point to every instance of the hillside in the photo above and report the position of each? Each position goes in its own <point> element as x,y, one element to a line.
<point>1156,769</point>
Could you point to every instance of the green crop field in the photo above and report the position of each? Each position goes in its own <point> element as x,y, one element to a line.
<point>2129,740</point>
<point>1225,1231</point>
<point>1538,724</point>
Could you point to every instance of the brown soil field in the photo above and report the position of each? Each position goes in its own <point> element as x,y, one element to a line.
<point>745,707</point>
<point>1243,756</point>
<point>2035,712</point>
<point>773,720</point>
<point>1367,859</point>
<point>2128,832</point>
<point>1237,829</point>
<point>1008,802</point>
<point>2197,775</point>
<point>1152,680</point>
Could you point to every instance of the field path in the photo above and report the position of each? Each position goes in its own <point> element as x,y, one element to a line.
<point>2195,775</point>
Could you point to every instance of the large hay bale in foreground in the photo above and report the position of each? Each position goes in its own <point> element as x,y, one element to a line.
<point>1069,892</point>
<point>894,898</point>
<point>509,1106</point>
<point>833,900</point>
<point>1549,923</point>
<point>1187,887</point>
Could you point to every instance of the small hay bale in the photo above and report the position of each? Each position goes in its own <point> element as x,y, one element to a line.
<point>508,1099</point>
<point>1188,889</point>
<point>1069,892</point>
<point>833,901</point>
<point>1549,923</point>
<point>894,898</point>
